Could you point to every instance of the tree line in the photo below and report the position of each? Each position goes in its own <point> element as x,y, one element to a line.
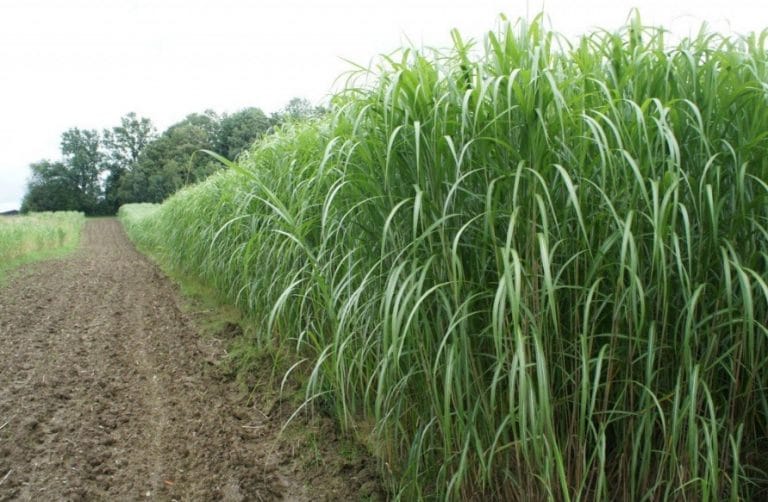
<point>131,162</point>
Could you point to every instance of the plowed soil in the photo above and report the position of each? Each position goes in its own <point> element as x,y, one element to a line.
<point>107,392</point>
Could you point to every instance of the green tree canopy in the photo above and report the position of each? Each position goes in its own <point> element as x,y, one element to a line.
<point>297,109</point>
<point>80,148</point>
<point>239,131</point>
<point>124,143</point>
<point>71,184</point>
<point>123,146</point>
<point>52,187</point>
<point>132,163</point>
<point>173,160</point>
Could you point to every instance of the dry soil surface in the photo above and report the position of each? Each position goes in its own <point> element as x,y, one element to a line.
<point>107,391</point>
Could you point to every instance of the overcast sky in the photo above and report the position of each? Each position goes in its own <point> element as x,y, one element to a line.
<point>86,63</point>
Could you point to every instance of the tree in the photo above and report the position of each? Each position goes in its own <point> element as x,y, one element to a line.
<point>239,130</point>
<point>297,109</point>
<point>83,161</point>
<point>173,160</point>
<point>123,146</point>
<point>125,142</point>
<point>141,166</point>
<point>72,184</point>
<point>52,187</point>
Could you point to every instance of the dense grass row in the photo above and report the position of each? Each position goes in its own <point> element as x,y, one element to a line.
<point>37,235</point>
<point>136,219</point>
<point>526,269</point>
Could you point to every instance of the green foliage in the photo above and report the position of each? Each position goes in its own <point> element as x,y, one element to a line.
<point>142,167</point>
<point>124,144</point>
<point>538,269</point>
<point>137,216</point>
<point>75,183</point>
<point>171,161</point>
<point>51,187</point>
<point>297,109</point>
<point>83,158</point>
<point>72,184</point>
<point>240,130</point>
<point>37,236</point>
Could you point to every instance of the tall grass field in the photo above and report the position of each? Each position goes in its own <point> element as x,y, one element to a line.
<point>38,235</point>
<point>525,268</point>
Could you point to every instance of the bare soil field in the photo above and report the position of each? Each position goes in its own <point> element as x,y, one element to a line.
<point>107,391</point>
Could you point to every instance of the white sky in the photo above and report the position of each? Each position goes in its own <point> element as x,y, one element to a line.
<point>86,63</point>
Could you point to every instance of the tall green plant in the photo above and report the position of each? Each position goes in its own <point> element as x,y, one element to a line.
<point>526,269</point>
<point>37,236</point>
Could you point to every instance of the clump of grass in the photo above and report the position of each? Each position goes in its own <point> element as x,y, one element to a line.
<point>536,267</point>
<point>136,219</point>
<point>37,236</point>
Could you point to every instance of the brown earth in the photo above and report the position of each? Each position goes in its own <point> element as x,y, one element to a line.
<point>107,391</point>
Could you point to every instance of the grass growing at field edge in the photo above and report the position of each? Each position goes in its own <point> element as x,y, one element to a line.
<point>528,268</point>
<point>38,236</point>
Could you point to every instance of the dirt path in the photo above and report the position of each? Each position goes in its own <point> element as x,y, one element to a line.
<point>107,392</point>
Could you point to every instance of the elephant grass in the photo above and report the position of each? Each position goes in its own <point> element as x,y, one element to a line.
<point>37,236</point>
<point>522,269</point>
